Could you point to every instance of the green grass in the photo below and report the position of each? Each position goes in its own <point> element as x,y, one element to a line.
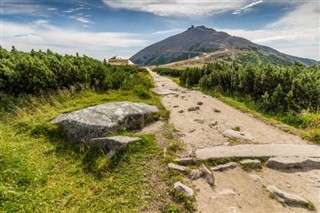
<point>40,172</point>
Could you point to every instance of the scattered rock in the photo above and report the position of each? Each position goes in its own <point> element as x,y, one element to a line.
<point>180,111</point>
<point>213,124</point>
<point>199,120</point>
<point>176,106</point>
<point>112,144</point>
<point>216,110</point>
<point>238,135</point>
<point>192,130</point>
<point>206,174</point>
<point>179,134</point>
<point>161,91</point>
<point>251,164</point>
<point>255,178</point>
<point>224,167</point>
<point>227,192</point>
<point>96,121</point>
<point>183,188</point>
<point>293,163</point>
<point>200,103</point>
<point>177,167</point>
<point>184,161</point>
<point>193,109</point>
<point>287,198</point>
<point>195,174</point>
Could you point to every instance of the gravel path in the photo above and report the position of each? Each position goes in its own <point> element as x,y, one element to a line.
<point>204,128</point>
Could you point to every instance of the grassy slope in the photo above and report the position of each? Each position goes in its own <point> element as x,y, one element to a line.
<point>39,172</point>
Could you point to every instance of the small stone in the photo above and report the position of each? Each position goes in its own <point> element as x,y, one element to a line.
<point>183,188</point>
<point>200,121</point>
<point>216,110</point>
<point>211,125</point>
<point>177,167</point>
<point>287,198</point>
<point>227,192</point>
<point>179,134</point>
<point>193,109</point>
<point>232,210</point>
<point>252,164</point>
<point>224,167</point>
<point>192,130</point>
<point>206,173</point>
<point>175,106</point>
<point>200,103</point>
<point>184,161</point>
<point>180,111</point>
<point>230,133</point>
<point>195,174</point>
<point>255,178</point>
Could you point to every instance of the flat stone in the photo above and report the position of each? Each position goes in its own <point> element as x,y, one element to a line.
<point>193,109</point>
<point>96,121</point>
<point>224,167</point>
<point>227,192</point>
<point>258,150</point>
<point>207,175</point>
<point>163,92</point>
<point>183,188</point>
<point>184,161</point>
<point>293,163</point>
<point>112,144</point>
<point>252,164</point>
<point>287,198</point>
<point>230,133</point>
<point>177,167</point>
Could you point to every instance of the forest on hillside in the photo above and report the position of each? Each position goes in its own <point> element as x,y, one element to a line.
<point>41,72</point>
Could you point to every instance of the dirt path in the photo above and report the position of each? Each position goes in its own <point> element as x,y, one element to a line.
<point>204,127</point>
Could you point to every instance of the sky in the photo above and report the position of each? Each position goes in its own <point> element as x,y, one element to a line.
<point>104,28</point>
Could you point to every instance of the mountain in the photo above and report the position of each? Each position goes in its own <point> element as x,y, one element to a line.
<point>200,40</point>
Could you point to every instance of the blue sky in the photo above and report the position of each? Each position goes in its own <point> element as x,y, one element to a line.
<point>103,28</point>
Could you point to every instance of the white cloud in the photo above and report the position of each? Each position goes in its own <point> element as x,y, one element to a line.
<point>184,8</point>
<point>45,36</point>
<point>246,8</point>
<point>297,33</point>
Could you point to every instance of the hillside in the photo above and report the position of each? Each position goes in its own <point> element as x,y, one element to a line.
<point>198,41</point>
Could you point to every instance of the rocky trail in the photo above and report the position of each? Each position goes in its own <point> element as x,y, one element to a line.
<point>288,181</point>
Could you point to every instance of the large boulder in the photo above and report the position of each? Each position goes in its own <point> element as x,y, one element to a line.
<point>93,122</point>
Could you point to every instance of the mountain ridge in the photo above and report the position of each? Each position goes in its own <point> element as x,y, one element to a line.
<point>200,40</point>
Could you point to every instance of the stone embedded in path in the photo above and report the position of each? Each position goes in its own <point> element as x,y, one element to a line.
<point>213,124</point>
<point>199,120</point>
<point>183,188</point>
<point>206,173</point>
<point>195,174</point>
<point>178,167</point>
<point>200,103</point>
<point>96,121</point>
<point>223,167</point>
<point>238,135</point>
<point>227,192</point>
<point>161,91</point>
<point>180,111</point>
<point>258,150</point>
<point>184,161</point>
<point>194,109</point>
<point>287,198</point>
<point>252,164</point>
<point>293,163</point>
<point>216,110</point>
<point>112,144</point>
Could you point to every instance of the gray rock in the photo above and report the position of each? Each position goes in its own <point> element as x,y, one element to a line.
<point>238,135</point>
<point>97,121</point>
<point>199,120</point>
<point>195,174</point>
<point>227,192</point>
<point>163,92</point>
<point>184,161</point>
<point>252,164</point>
<point>112,144</point>
<point>194,109</point>
<point>287,198</point>
<point>258,150</point>
<point>183,188</point>
<point>177,167</point>
<point>206,173</point>
<point>293,163</point>
<point>200,103</point>
<point>224,167</point>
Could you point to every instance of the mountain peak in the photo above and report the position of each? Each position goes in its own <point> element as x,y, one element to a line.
<point>201,27</point>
